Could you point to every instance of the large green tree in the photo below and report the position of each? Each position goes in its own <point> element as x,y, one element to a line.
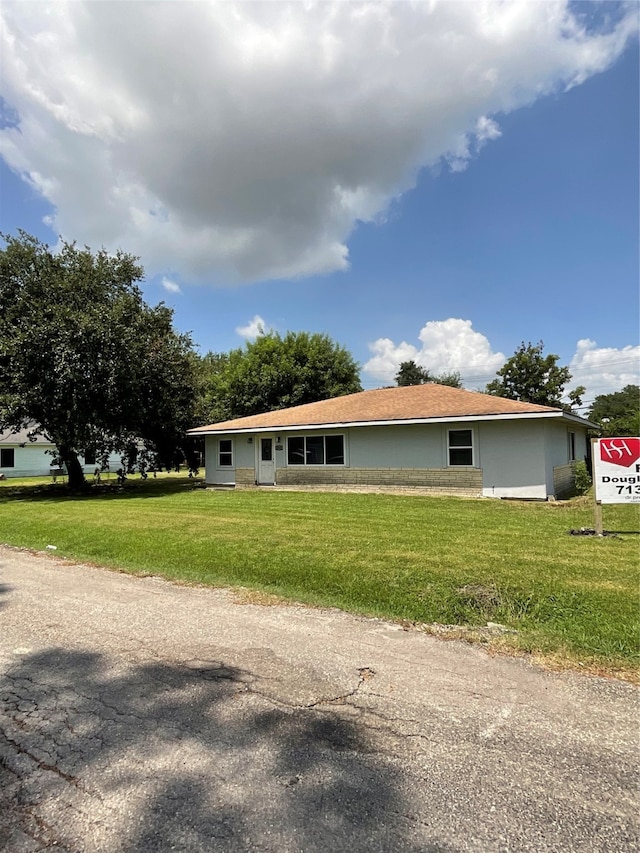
<point>618,413</point>
<point>275,372</point>
<point>84,360</point>
<point>533,377</point>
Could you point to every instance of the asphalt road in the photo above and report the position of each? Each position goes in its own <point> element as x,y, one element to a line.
<point>142,716</point>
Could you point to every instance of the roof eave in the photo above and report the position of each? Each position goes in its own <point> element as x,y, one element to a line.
<point>395,422</point>
<point>576,419</point>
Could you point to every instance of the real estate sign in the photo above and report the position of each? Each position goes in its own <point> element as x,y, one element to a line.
<point>616,470</point>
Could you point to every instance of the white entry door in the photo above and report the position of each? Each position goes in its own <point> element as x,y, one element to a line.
<point>266,461</point>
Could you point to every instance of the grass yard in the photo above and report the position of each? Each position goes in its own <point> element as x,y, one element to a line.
<point>573,600</point>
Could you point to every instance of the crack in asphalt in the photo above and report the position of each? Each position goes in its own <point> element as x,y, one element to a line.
<point>216,672</point>
<point>43,765</point>
<point>365,673</point>
<point>30,716</point>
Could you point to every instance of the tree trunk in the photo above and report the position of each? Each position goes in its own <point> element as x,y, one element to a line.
<point>74,468</point>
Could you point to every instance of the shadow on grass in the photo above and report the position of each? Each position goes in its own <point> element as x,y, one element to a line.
<point>132,488</point>
<point>183,756</point>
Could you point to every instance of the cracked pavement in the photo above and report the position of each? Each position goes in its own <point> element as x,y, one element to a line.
<point>137,715</point>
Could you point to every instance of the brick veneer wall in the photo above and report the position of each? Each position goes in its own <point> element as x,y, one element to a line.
<point>564,479</point>
<point>463,480</point>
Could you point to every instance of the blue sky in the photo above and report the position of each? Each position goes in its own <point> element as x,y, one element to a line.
<point>467,223</point>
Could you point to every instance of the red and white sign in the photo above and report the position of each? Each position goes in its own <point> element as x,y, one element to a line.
<point>616,470</point>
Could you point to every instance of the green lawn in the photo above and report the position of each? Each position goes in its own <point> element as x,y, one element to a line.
<point>572,599</point>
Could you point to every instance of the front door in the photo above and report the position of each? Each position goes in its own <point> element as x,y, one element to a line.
<point>266,462</point>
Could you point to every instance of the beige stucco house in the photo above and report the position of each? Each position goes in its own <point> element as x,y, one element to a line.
<point>423,436</point>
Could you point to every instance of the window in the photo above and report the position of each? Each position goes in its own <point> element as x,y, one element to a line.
<point>460,447</point>
<point>334,445</point>
<point>295,448</point>
<point>225,452</point>
<point>572,446</point>
<point>89,457</point>
<point>7,457</point>
<point>315,450</point>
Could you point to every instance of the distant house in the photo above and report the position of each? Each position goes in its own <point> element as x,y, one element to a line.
<point>424,436</point>
<point>20,457</point>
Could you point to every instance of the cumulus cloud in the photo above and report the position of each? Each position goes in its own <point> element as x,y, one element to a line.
<point>170,286</point>
<point>453,345</point>
<point>245,140</point>
<point>254,328</point>
<point>445,346</point>
<point>603,370</point>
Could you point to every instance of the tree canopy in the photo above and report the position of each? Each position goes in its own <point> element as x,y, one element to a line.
<point>411,373</point>
<point>275,372</point>
<point>618,413</point>
<point>533,377</point>
<point>84,360</point>
<point>451,378</point>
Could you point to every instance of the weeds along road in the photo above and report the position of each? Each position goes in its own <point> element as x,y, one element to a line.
<point>142,716</point>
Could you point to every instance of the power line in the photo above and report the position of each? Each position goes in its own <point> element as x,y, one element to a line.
<point>606,363</point>
<point>595,367</point>
<point>582,369</point>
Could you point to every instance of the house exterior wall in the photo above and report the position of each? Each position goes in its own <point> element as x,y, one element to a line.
<point>556,452</point>
<point>523,458</point>
<point>29,461</point>
<point>36,460</point>
<point>466,481</point>
<point>243,459</point>
<point>560,466</point>
<point>411,446</point>
<point>412,456</point>
<point>564,480</point>
<point>512,457</point>
<point>245,476</point>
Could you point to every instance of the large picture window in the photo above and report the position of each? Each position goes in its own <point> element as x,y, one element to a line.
<point>315,450</point>
<point>225,453</point>
<point>461,447</point>
<point>7,457</point>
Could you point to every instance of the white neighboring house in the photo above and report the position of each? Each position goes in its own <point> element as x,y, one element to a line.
<point>20,457</point>
<point>430,437</point>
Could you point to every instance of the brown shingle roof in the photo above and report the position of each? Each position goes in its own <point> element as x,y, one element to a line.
<point>385,404</point>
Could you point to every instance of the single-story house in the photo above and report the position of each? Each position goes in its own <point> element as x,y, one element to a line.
<point>423,436</point>
<point>22,457</point>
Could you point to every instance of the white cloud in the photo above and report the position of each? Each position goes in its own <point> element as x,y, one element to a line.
<point>445,346</point>
<point>170,286</point>
<point>453,345</point>
<point>603,370</point>
<point>254,328</point>
<point>252,147</point>
<point>486,130</point>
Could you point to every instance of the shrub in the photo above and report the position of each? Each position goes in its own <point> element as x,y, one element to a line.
<point>583,478</point>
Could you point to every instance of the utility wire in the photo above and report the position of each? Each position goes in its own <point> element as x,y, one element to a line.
<point>581,369</point>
